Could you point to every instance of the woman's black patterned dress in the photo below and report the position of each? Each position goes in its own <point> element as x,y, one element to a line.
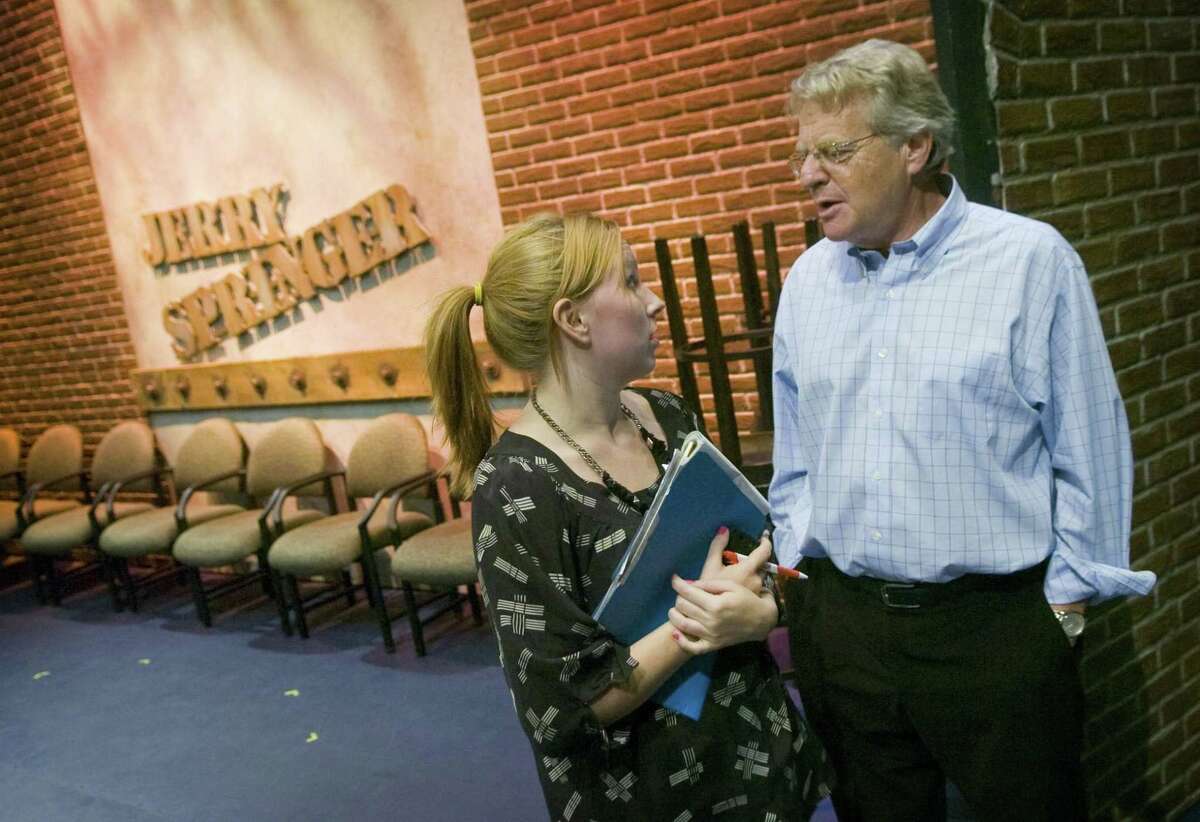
<point>546,543</point>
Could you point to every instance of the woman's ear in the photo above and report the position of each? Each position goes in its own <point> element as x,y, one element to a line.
<point>570,322</point>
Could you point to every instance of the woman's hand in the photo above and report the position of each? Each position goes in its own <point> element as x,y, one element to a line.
<point>727,605</point>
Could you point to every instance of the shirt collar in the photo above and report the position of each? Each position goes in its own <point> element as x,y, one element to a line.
<point>929,236</point>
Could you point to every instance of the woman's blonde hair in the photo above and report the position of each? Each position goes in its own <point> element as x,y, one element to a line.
<point>903,97</point>
<point>539,262</point>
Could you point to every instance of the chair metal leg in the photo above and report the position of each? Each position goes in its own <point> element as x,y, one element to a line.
<point>55,582</point>
<point>275,585</point>
<point>198,597</point>
<point>473,600</point>
<point>375,598</point>
<point>414,618</point>
<point>131,596</point>
<point>108,573</point>
<point>348,587</point>
<point>37,569</point>
<point>292,588</point>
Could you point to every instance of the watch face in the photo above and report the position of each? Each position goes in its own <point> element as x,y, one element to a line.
<point>1072,623</point>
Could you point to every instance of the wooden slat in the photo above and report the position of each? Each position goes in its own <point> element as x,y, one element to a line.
<point>360,376</point>
<point>717,368</point>
<point>685,368</point>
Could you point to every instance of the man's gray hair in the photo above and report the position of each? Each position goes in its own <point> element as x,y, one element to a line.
<point>903,98</point>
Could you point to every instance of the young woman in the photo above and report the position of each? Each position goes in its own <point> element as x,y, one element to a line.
<point>555,501</point>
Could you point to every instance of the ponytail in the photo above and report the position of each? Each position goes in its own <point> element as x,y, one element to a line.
<point>460,397</point>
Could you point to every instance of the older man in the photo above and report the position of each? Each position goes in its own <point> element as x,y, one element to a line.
<point>952,462</point>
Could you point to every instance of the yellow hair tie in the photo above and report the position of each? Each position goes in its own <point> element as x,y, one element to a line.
<point>478,293</point>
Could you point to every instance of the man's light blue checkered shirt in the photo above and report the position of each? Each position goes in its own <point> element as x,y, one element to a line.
<point>952,409</point>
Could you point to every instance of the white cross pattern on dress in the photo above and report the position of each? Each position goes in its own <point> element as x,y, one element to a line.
<point>779,720</point>
<point>481,473</point>
<point>518,614</point>
<point>739,801</point>
<point>562,582</point>
<point>543,726</point>
<point>513,571</point>
<point>516,507</point>
<point>570,666</point>
<point>487,539</point>
<point>752,761</point>
<point>522,664</point>
<point>667,716</point>
<point>556,767</point>
<point>734,686</point>
<point>745,713</point>
<point>615,538</point>
<point>618,790</point>
<point>690,771</point>
<point>686,816</point>
<point>572,804</point>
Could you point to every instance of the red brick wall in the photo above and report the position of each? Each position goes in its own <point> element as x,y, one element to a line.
<point>65,351</point>
<point>1096,104</point>
<point>665,116</point>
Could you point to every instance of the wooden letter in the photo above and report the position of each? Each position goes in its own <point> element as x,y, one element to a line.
<point>362,253</point>
<point>183,340</point>
<point>405,216</point>
<point>153,253</point>
<point>267,205</point>
<point>273,294</point>
<point>235,240</point>
<point>173,237</point>
<point>390,241</point>
<point>322,259</point>
<point>286,268</point>
<point>233,297</point>
<point>201,309</point>
<point>245,221</point>
<point>190,217</point>
<point>202,222</point>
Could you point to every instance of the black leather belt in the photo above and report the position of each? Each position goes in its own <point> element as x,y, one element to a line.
<point>916,595</point>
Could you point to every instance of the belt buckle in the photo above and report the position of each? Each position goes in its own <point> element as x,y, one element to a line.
<point>885,591</point>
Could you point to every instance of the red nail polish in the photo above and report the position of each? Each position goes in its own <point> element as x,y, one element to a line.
<point>675,635</point>
<point>722,530</point>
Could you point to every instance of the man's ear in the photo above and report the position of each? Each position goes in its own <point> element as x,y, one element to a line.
<point>570,322</point>
<point>918,149</point>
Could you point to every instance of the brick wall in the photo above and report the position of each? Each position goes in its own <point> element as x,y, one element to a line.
<point>65,352</point>
<point>1096,104</point>
<point>667,117</point>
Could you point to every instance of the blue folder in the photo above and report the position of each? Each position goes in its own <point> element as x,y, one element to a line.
<point>701,490</point>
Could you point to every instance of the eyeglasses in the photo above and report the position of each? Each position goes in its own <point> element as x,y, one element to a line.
<point>830,151</point>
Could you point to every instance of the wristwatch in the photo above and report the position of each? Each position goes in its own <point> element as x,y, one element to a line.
<point>1072,623</point>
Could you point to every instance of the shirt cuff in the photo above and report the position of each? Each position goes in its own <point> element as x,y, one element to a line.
<point>1071,578</point>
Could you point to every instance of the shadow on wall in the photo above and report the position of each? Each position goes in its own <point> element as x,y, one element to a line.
<point>1117,755</point>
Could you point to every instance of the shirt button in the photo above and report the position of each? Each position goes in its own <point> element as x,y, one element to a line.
<point>883,353</point>
<point>891,293</point>
<point>877,476</point>
<point>878,412</point>
<point>876,535</point>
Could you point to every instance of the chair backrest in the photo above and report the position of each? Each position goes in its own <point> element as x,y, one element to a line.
<point>10,456</point>
<point>212,448</point>
<point>291,450</point>
<point>392,449</point>
<point>58,451</point>
<point>127,449</point>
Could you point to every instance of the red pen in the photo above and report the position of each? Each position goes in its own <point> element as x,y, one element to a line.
<point>734,558</point>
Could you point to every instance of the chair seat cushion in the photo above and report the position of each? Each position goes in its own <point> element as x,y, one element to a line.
<point>152,532</point>
<point>41,508</point>
<point>58,533</point>
<point>333,542</point>
<point>441,555</point>
<point>230,539</point>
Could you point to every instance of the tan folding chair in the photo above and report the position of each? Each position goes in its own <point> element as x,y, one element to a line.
<point>212,458</point>
<point>388,460</point>
<point>288,461</point>
<point>125,460</point>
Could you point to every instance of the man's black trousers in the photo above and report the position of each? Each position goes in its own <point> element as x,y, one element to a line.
<point>972,681</point>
